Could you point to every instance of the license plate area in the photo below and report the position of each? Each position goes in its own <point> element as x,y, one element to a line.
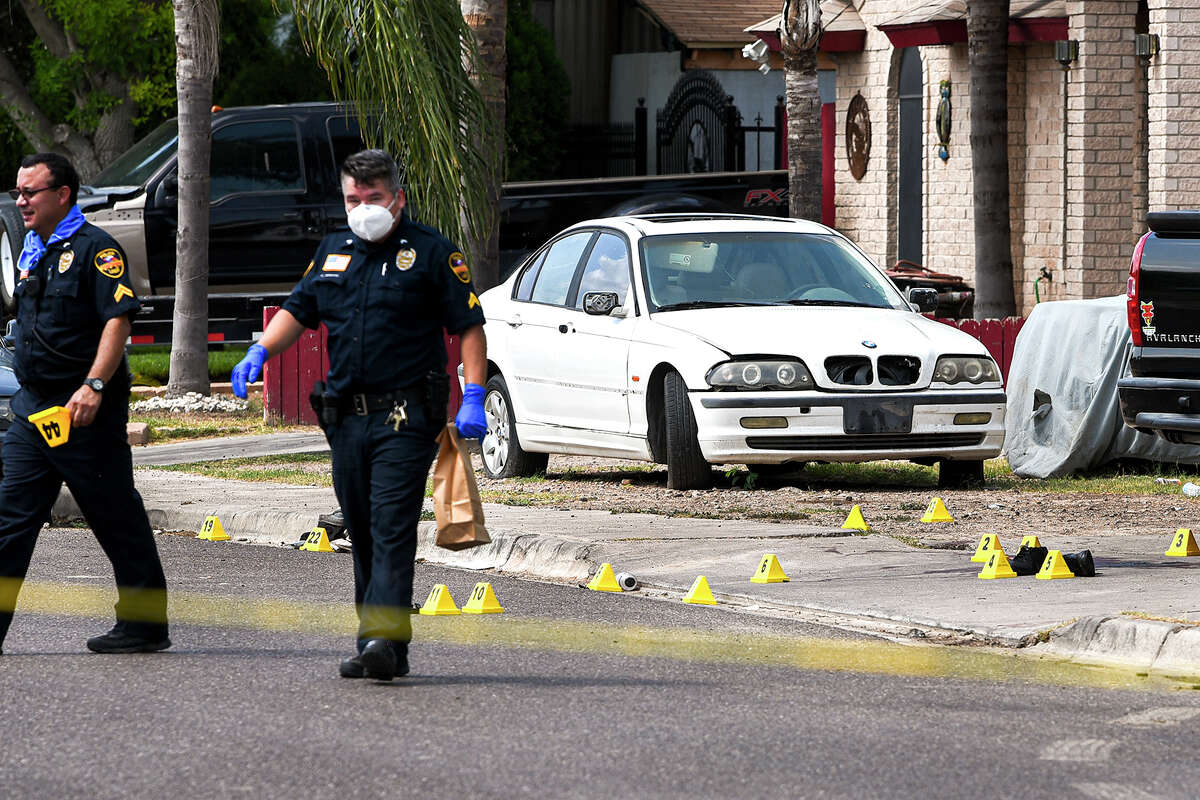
<point>877,415</point>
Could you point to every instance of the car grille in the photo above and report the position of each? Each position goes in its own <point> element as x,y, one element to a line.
<point>849,370</point>
<point>885,441</point>
<point>899,370</point>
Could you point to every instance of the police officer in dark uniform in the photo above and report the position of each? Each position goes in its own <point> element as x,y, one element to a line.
<point>74,304</point>
<point>385,289</point>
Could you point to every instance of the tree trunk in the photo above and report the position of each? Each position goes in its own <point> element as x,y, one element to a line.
<point>987,48</point>
<point>489,20</point>
<point>800,35</point>
<point>196,36</point>
<point>803,135</point>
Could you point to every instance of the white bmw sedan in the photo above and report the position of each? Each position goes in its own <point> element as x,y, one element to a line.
<point>695,340</point>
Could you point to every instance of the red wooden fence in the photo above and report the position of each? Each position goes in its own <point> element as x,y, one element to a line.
<point>288,378</point>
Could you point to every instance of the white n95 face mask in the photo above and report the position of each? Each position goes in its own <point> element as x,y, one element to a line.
<point>372,223</point>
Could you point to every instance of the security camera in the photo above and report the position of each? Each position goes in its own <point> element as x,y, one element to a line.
<point>756,52</point>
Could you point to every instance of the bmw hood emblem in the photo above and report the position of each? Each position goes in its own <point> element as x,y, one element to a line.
<point>868,344</point>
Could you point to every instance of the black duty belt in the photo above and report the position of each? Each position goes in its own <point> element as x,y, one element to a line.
<point>365,403</point>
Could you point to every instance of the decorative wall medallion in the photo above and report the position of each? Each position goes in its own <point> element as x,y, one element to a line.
<point>943,122</point>
<point>858,136</point>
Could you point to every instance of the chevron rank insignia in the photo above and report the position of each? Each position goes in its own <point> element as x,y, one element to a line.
<point>122,291</point>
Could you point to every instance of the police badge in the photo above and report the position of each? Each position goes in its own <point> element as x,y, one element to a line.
<point>405,259</point>
<point>65,261</point>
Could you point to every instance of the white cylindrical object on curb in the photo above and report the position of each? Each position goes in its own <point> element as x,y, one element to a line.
<point>627,582</point>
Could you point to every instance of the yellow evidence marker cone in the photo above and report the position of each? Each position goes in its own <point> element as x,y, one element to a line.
<point>700,594</point>
<point>937,512</point>
<point>1054,567</point>
<point>439,603</point>
<point>997,566</point>
<point>769,570</point>
<point>854,520</point>
<point>213,531</point>
<point>988,543</point>
<point>483,600</point>
<point>604,580</point>
<point>317,541</point>
<point>1031,541</point>
<point>54,424</point>
<point>1184,543</point>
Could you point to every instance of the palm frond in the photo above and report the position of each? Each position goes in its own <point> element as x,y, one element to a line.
<point>402,66</point>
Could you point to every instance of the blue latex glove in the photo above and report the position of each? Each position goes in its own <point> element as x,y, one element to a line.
<point>248,369</point>
<point>470,420</point>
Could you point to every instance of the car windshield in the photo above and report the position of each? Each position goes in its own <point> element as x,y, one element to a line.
<point>761,268</point>
<point>135,166</point>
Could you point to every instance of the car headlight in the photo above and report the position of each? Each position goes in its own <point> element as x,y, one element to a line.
<point>759,375</point>
<point>971,369</point>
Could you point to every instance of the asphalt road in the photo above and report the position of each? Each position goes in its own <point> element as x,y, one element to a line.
<point>570,693</point>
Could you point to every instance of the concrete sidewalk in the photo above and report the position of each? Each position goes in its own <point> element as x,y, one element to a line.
<point>871,582</point>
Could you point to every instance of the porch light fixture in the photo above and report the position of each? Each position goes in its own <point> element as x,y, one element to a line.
<point>1146,46</point>
<point>1066,51</point>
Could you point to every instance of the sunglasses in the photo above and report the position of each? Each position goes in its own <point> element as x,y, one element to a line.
<point>28,194</point>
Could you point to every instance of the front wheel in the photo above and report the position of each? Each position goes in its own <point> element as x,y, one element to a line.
<point>686,467</point>
<point>12,238</point>
<point>503,456</point>
<point>960,474</point>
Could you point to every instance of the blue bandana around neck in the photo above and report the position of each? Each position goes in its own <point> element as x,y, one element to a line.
<point>34,247</point>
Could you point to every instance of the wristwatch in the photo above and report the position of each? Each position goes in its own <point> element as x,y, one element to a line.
<point>95,384</point>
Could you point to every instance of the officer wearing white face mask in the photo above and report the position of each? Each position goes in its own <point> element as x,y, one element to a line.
<point>384,290</point>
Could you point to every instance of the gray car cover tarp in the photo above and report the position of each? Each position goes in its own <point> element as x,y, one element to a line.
<point>1063,412</point>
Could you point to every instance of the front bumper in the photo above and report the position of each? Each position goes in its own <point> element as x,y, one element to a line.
<point>820,428</point>
<point>1161,404</point>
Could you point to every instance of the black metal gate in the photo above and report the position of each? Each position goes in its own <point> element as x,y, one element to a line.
<point>699,129</point>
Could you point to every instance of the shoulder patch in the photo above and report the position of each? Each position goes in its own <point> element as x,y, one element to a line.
<point>458,265</point>
<point>110,263</point>
<point>335,262</point>
<point>121,292</point>
<point>65,261</point>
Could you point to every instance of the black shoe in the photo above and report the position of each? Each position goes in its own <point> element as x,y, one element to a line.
<point>1081,563</point>
<point>378,660</point>
<point>116,641</point>
<point>1028,560</point>
<point>350,667</point>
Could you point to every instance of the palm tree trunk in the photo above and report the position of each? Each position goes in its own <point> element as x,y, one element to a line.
<point>489,20</point>
<point>800,32</point>
<point>987,47</point>
<point>803,135</point>
<point>196,36</point>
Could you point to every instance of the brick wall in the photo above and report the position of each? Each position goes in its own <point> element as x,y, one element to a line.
<point>1174,106</point>
<point>1101,130</point>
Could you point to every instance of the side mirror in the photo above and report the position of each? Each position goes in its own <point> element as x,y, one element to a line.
<point>168,191</point>
<point>600,304</point>
<point>924,299</point>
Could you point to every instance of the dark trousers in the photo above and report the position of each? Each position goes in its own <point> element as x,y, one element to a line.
<point>97,466</point>
<point>379,476</point>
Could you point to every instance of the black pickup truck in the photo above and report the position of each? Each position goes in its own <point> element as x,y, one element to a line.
<point>1162,392</point>
<point>276,193</point>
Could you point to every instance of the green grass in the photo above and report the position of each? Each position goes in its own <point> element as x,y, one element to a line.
<point>167,426</point>
<point>270,469</point>
<point>151,365</point>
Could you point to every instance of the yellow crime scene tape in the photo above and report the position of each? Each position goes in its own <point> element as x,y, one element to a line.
<point>875,656</point>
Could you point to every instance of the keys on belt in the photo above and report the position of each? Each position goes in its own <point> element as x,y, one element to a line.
<point>399,415</point>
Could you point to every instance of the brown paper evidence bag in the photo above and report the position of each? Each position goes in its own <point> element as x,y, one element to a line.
<point>456,504</point>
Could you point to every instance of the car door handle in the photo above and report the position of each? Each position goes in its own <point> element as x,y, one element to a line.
<point>566,328</point>
<point>515,322</point>
<point>290,215</point>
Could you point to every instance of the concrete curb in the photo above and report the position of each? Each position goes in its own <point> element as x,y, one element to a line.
<point>1163,648</point>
